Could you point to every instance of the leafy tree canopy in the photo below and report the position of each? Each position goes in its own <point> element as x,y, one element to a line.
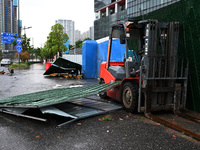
<point>24,56</point>
<point>80,42</point>
<point>87,39</point>
<point>71,46</point>
<point>55,42</point>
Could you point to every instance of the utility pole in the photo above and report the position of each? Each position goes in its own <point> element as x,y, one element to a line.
<point>19,28</point>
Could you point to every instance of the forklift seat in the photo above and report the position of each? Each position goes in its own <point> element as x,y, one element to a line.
<point>119,72</point>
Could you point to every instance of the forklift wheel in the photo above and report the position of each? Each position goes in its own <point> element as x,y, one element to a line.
<point>130,96</point>
<point>103,94</point>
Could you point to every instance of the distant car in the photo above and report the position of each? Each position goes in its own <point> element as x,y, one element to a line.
<point>6,61</point>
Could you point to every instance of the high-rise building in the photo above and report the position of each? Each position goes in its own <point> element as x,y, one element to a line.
<point>88,34</point>
<point>1,21</point>
<point>92,32</point>
<point>14,16</point>
<point>68,28</point>
<point>77,35</point>
<point>85,35</point>
<point>8,20</point>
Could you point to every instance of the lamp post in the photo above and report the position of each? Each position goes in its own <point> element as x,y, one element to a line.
<point>24,28</point>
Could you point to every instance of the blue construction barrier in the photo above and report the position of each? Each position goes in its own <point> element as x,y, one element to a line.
<point>89,59</point>
<point>93,54</point>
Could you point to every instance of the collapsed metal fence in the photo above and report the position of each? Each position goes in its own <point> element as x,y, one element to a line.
<point>54,96</point>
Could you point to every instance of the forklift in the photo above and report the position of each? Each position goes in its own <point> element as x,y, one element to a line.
<point>155,79</point>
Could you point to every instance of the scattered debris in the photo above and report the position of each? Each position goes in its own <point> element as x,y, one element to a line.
<point>107,118</point>
<point>11,71</point>
<point>57,86</point>
<point>64,68</point>
<point>37,137</point>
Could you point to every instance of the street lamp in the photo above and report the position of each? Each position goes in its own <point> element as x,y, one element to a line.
<point>25,29</point>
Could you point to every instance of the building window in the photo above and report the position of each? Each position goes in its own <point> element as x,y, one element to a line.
<point>112,10</point>
<point>97,15</point>
<point>141,7</point>
<point>121,7</point>
<point>103,13</point>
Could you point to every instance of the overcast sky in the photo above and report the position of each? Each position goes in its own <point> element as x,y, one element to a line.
<point>41,15</point>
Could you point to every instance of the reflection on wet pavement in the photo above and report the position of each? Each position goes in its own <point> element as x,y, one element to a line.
<point>32,80</point>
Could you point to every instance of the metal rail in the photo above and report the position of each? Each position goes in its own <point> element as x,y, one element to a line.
<point>188,117</point>
<point>174,126</point>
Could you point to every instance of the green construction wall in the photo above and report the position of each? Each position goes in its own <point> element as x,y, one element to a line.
<point>187,12</point>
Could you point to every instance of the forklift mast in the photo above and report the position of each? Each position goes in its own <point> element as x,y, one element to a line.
<point>163,76</point>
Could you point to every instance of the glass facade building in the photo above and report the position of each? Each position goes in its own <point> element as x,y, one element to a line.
<point>109,11</point>
<point>98,4</point>
<point>140,7</point>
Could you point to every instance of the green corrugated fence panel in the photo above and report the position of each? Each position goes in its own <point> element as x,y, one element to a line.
<point>188,14</point>
<point>54,96</point>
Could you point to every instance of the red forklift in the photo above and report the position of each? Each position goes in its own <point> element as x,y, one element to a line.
<point>155,79</point>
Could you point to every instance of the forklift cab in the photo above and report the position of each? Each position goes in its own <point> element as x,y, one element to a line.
<point>128,33</point>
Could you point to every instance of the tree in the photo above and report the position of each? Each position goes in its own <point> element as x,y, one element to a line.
<point>71,46</point>
<point>24,56</point>
<point>46,52</point>
<point>55,42</point>
<point>26,47</point>
<point>87,39</point>
<point>78,44</point>
<point>37,52</point>
<point>0,55</point>
<point>31,52</point>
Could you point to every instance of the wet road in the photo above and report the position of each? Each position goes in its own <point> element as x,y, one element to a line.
<point>125,131</point>
<point>32,80</point>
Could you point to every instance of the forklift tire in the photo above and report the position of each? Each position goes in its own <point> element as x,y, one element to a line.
<point>130,96</point>
<point>103,94</point>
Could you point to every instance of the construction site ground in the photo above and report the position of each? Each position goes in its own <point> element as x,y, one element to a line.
<point>123,131</point>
